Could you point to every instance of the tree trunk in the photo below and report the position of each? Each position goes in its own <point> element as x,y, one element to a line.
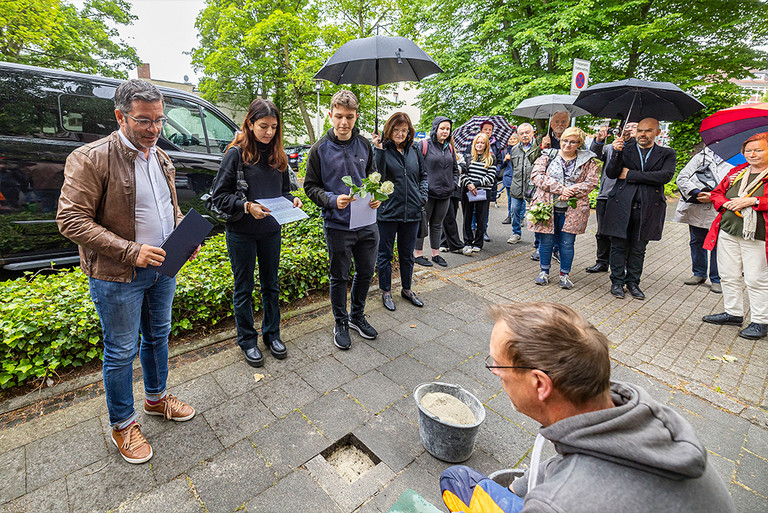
<point>299,98</point>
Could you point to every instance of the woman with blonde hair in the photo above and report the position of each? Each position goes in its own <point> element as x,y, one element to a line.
<point>476,182</point>
<point>560,176</point>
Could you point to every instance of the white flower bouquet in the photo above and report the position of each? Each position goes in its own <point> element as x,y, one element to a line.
<point>371,185</point>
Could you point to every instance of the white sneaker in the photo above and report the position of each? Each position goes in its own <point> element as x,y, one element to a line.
<point>443,249</point>
<point>514,239</point>
<point>565,281</point>
<point>542,278</point>
<point>476,249</point>
<point>467,250</point>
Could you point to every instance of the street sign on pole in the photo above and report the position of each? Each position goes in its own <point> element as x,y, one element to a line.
<point>580,77</point>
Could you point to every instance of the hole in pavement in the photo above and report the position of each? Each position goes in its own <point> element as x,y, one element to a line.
<point>350,457</point>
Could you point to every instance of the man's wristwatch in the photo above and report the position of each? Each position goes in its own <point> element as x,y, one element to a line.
<point>246,206</point>
<point>757,201</point>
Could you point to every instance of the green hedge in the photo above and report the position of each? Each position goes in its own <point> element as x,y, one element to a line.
<point>50,324</point>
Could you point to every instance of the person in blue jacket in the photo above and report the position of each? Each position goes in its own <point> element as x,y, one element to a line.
<point>400,162</point>
<point>341,152</point>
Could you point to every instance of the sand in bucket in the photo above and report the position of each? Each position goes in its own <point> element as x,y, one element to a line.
<point>448,408</point>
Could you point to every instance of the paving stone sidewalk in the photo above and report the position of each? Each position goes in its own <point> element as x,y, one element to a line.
<point>256,445</point>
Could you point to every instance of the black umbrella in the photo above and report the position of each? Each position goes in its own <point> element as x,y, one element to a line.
<point>633,100</point>
<point>378,60</point>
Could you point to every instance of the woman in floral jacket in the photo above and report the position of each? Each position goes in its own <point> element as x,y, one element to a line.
<point>563,179</point>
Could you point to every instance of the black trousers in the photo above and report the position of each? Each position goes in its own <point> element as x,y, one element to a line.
<point>343,246</point>
<point>450,237</point>
<point>628,254</point>
<point>603,241</point>
<point>478,209</point>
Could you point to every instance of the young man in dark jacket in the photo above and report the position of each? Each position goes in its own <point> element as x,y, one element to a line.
<point>342,151</point>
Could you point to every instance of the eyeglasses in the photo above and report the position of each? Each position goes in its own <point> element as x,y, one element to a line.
<point>754,150</point>
<point>401,131</point>
<point>145,123</point>
<point>490,364</point>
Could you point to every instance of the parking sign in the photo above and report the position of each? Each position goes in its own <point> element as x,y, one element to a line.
<point>580,77</point>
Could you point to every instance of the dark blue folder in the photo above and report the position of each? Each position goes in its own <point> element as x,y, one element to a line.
<point>183,241</point>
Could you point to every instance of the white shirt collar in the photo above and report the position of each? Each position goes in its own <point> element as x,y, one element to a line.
<point>128,143</point>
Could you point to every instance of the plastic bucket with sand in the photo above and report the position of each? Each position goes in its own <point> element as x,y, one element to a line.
<point>449,419</point>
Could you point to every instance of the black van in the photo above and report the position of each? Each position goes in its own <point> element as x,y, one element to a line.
<point>45,114</point>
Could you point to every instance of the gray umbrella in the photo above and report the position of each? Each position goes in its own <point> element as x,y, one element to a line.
<point>543,106</point>
<point>378,60</point>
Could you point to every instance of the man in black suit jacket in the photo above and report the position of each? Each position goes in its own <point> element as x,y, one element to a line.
<point>636,206</point>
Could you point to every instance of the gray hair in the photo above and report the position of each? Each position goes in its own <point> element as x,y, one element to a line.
<point>346,99</point>
<point>135,89</point>
<point>523,125</point>
<point>559,112</point>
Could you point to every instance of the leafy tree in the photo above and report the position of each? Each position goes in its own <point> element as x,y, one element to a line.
<point>260,48</point>
<point>55,34</point>
<point>684,135</point>
<point>497,53</point>
<point>273,48</point>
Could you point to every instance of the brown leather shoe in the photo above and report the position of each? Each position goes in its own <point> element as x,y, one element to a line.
<point>131,443</point>
<point>170,408</point>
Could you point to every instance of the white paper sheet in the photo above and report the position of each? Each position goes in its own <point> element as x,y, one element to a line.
<point>282,209</point>
<point>360,212</point>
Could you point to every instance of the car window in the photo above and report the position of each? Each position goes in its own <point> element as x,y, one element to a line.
<point>185,126</point>
<point>27,109</point>
<point>89,117</point>
<point>220,134</point>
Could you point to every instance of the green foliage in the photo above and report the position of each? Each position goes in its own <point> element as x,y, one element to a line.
<point>50,324</point>
<point>684,135</point>
<point>496,54</point>
<point>55,34</point>
<point>272,49</point>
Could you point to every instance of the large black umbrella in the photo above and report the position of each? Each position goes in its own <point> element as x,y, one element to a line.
<point>378,60</point>
<point>633,100</point>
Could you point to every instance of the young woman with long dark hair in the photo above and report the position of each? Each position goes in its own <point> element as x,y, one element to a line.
<point>258,148</point>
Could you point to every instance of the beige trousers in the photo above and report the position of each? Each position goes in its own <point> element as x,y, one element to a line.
<point>734,256</point>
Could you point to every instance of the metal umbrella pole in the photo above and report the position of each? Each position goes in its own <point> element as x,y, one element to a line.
<point>626,120</point>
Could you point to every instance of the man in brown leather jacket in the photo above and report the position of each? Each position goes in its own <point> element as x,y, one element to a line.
<point>118,203</point>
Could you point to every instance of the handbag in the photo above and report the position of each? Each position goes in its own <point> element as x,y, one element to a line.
<point>241,192</point>
<point>705,177</point>
<point>424,225</point>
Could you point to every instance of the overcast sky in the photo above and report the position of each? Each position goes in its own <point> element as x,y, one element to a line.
<point>164,30</point>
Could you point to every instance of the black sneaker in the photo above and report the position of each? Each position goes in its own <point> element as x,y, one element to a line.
<point>363,327</point>
<point>341,335</point>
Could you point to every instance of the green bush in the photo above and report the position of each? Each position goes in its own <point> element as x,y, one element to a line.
<point>49,323</point>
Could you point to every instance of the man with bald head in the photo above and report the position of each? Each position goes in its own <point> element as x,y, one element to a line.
<point>636,207</point>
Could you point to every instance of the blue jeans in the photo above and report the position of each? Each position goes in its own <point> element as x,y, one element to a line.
<point>699,255</point>
<point>564,242</point>
<point>517,213</point>
<point>243,250</point>
<point>406,240</point>
<point>126,310</point>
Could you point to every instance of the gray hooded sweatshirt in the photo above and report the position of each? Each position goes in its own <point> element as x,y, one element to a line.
<point>638,457</point>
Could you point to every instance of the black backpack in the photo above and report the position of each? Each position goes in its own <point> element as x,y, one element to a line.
<point>241,192</point>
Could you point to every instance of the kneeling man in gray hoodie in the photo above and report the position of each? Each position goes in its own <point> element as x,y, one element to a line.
<point>617,448</point>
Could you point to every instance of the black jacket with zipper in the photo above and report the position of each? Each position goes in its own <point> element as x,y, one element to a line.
<point>406,171</point>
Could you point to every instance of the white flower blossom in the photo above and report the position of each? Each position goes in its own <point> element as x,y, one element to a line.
<point>375,177</point>
<point>387,187</point>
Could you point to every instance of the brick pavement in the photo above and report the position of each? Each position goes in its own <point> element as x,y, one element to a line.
<point>255,444</point>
